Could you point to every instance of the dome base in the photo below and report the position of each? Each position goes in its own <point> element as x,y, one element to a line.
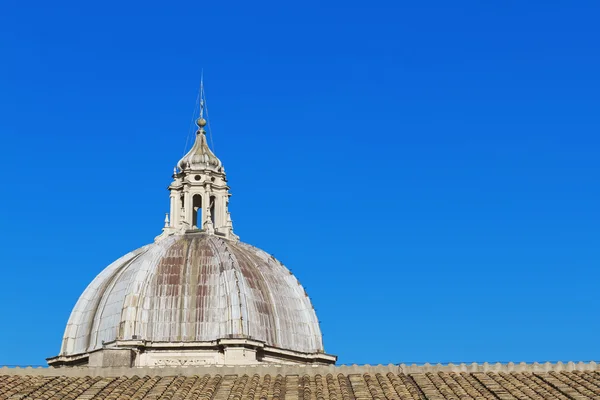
<point>234,351</point>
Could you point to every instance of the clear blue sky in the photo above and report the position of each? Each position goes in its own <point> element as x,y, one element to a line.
<point>429,170</point>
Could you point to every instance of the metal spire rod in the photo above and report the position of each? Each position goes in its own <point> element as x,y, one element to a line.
<point>204,107</point>
<point>202,94</point>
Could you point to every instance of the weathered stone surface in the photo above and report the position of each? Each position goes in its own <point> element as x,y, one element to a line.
<point>111,358</point>
<point>193,288</point>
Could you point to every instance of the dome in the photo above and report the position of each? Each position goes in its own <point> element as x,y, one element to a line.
<point>200,157</point>
<point>194,288</point>
<point>195,296</point>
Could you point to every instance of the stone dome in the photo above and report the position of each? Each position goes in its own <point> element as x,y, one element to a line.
<point>194,288</point>
<point>200,157</point>
<point>197,295</point>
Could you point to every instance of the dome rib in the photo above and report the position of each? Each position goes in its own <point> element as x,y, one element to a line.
<point>235,305</point>
<point>241,300</point>
<point>114,321</point>
<point>261,326</point>
<point>149,320</point>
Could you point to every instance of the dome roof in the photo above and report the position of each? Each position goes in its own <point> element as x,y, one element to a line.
<point>194,288</point>
<point>200,157</point>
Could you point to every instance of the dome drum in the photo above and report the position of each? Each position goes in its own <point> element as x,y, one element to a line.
<point>140,353</point>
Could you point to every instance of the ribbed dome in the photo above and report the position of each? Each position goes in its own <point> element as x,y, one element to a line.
<point>194,287</point>
<point>200,157</point>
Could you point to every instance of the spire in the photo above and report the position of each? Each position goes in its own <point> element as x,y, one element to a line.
<point>201,94</point>
<point>200,156</point>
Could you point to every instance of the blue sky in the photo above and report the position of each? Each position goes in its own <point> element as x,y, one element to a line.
<point>429,170</point>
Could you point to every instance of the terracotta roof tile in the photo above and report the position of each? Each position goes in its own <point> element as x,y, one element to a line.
<point>577,385</point>
<point>574,389</point>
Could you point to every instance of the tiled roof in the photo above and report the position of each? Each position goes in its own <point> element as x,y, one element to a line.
<point>573,385</point>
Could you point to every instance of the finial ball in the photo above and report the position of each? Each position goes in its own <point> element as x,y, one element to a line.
<point>201,122</point>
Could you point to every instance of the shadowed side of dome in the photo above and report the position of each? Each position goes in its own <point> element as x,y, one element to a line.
<point>279,310</point>
<point>193,290</point>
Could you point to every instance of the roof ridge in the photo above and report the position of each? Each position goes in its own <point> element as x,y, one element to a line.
<point>308,369</point>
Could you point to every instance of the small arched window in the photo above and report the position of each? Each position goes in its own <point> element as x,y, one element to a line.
<point>197,211</point>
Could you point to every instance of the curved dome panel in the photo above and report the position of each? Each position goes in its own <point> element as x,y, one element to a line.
<point>194,288</point>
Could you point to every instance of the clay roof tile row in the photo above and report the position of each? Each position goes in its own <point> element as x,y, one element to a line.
<point>576,385</point>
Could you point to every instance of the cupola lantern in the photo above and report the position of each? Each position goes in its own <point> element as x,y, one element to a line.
<point>199,191</point>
